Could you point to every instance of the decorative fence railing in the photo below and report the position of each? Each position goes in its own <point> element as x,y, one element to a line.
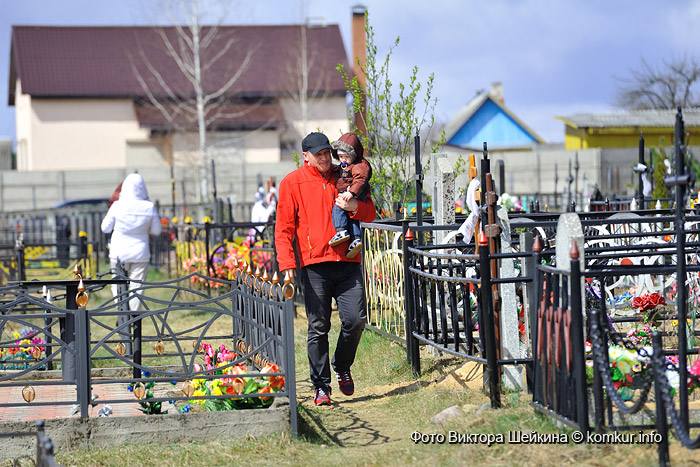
<point>440,310</point>
<point>559,380</point>
<point>384,277</point>
<point>193,340</point>
<point>631,262</point>
<point>212,248</point>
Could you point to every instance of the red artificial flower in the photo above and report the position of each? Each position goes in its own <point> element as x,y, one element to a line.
<point>275,381</point>
<point>266,389</point>
<point>656,299</point>
<point>648,301</point>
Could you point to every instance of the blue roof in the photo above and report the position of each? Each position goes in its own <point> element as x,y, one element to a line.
<point>491,123</point>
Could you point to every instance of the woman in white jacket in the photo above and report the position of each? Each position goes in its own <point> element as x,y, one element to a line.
<point>131,220</point>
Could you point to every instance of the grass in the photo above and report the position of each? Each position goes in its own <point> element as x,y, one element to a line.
<point>374,426</point>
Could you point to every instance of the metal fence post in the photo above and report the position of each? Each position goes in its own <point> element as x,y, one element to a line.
<point>419,181</point>
<point>598,395</point>
<point>532,289</point>
<point>289,369</point>
<point>577,340</point>
<point>412,350</point>
<point>661,422</point>
<point>210,269</point>
<point>487,326</point>
<point>82,349</point>
<point>67,325</point>
<point>680,181</point>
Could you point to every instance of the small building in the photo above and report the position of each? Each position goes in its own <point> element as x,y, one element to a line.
<point>486,118</point>
<point>622,129</point>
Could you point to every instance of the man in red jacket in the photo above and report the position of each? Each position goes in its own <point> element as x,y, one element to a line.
<point>306,198</point>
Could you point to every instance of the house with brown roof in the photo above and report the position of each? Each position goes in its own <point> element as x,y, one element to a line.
<point>117,97</point>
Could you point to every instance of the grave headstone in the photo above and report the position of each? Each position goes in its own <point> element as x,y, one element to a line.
<point>510,334</point>
<point>569,230</point>
<point>444,203</point>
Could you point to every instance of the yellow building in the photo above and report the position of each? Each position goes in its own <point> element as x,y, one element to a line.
<point>622,129</point>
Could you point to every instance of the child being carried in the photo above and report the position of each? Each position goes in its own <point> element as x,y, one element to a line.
<point>355,174</point>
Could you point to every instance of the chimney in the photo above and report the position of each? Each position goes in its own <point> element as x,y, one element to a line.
<point>359,54</point>
<point>496,92</point>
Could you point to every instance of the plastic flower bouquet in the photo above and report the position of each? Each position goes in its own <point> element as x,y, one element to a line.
<point>511,203</point>
<point>694,377</point>
<point>641,336</point>
<point>27,349</point>
<point>234,380</point>
<point>648,301</point>
<point>648,304</point>
<point>624,366</point>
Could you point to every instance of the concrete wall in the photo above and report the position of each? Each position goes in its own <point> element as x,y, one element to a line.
<point>22,191</point>
<point>97,432</point>
<point>528,172</point>
<point>5,154</point>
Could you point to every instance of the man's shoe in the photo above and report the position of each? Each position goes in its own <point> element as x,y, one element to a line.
<point>354,248</point>
<point>345,382</point>
<point>340,237</point>
<point>322,396</point>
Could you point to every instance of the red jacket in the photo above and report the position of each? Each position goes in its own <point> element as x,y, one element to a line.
<point>306,199</point>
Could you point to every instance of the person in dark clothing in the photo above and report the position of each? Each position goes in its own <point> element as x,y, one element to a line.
<point>353,182</point>
<point>306,197</point>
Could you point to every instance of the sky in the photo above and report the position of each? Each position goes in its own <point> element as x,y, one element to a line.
<point>552,57</point>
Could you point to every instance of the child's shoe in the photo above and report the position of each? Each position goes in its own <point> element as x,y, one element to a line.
<point>340,237</point>
<point>354,248</point>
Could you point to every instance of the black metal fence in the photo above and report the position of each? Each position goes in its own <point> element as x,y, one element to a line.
<point>559,380</point>
<point>191,335</point>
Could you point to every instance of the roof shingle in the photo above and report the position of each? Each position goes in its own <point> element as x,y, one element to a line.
<point>107,61</point>
<point>631,118</point>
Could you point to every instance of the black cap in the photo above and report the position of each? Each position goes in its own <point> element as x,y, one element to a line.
<point>315,142</point>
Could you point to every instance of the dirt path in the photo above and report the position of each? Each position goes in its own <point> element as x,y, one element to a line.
<point>368,417</point>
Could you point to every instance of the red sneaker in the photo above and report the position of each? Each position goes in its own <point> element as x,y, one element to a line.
<point>322,396</point>
<point>345,382</point>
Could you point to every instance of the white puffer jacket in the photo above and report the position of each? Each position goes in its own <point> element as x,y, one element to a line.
<point>131,219</point>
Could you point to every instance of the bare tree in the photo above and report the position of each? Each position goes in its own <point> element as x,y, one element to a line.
<point>666,86</point>
<point>301,90</point>
<point>194,49</point>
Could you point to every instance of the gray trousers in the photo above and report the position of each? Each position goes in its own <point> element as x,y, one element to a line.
<point>323,281</point>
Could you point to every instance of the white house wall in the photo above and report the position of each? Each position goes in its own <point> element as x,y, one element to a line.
<point>67,134</point>
<point>23,113</point>
<point>326,114</point>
